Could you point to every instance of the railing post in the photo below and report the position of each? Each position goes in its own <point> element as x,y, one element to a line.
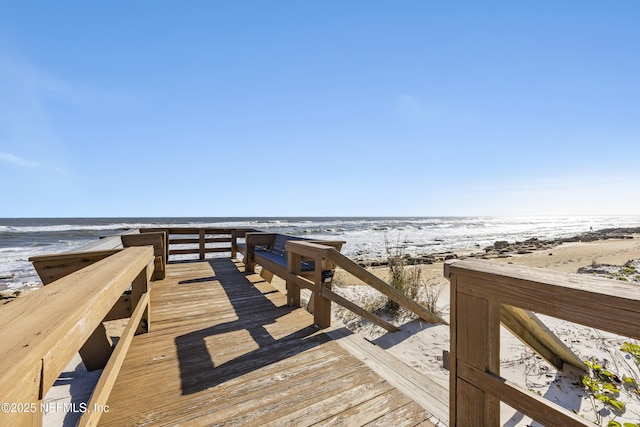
<point>293,267</point>
<point>139,287</point>
<point>321,305</point>
<point>475,345</point>
<point>234,238</point>
<point>201,243</point>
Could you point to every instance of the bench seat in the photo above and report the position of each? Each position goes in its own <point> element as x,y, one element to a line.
<point>269,251</point>
<point>281,259</point>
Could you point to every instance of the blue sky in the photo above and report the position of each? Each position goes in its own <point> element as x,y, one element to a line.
<point>288,108</point>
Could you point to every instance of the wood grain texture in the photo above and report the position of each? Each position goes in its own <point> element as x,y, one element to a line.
<point>44,329</point>
<point>225,349</point>
<point>484,293</point>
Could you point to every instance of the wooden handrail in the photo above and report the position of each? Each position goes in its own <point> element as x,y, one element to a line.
<point>380,285</point>
<point>110,373</point>
<point>199,239</point>
<point>324,256</point>
<point>479,291</point>
<point>41,331</point>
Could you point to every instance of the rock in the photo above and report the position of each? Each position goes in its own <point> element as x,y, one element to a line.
<point>500,244</point>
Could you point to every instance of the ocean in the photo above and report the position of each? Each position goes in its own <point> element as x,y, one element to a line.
<point>366,237</point>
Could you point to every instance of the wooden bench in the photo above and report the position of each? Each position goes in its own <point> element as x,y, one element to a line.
<point>156,239</point>
<point>269,251</point>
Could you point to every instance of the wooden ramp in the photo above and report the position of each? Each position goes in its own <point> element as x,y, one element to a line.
<point>224,349</point>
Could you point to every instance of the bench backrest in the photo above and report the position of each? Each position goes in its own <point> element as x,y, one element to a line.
<point>280,241</point>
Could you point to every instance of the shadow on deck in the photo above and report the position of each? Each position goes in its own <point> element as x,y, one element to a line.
<point>224,348</point>
<point>255,311</point>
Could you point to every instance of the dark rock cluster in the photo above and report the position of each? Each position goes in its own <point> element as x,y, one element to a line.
<point>505,249</point>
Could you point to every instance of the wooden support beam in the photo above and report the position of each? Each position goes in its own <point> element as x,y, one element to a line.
<point>330,295</point>
<point>100,394</point>
<point>380,285</point>
<point>477,345</point>
<point>158,240</point>
<point>42,331</point>
<point>293,289</point>
<point>140,287</point>
<point>97,349</point>
<point>53,267</point>
<point>526,326</point>
<point>542,410</point>
<point>321,305</point>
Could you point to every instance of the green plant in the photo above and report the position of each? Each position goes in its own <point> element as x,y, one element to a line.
<point>602,389</point>
<point>633,349</point>
<point>431,295</point>
<point>403,276</point>
<point>614,423</point>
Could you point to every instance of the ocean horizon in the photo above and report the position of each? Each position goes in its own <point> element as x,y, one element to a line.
<point>366,237</point>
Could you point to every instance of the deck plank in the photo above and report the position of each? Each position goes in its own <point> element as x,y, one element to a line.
<point>224,349</point>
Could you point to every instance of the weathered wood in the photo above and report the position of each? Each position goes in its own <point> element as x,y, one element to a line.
<point>424,391</point>
<point>201,243</point>
<point>196,251</point>
<point>453,349</point>
<point>529,328</point>
<point>107,242</point>
<point>95,352</point>
<point>192,241</point>
<point>321,305</point>
<point>225,337</point>
<point>52,267</point>
<point>540,409</point>
<point>520,291</point>
<point>526,326</point>
<point>139,288</point>
<point>330,295</point>
<point>306,249</point>
<point>121,309</point>
<point>47,327</point>
<point>162,230</point>
<point>108,378</point>
<point>235,235</point>
<point>159,242</point>
<point>251,241</point>
<point>610,294</point>
<point>478,345</point>
<point>370,279</point>
<point>293,289</point>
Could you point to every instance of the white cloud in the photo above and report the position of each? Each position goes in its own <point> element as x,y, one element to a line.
<point>11,158</point>
<point>26,163</point>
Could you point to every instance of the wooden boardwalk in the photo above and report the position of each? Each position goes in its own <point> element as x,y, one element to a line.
<point>225,349</point>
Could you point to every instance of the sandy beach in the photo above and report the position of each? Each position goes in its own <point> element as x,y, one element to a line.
<point>420,345</point>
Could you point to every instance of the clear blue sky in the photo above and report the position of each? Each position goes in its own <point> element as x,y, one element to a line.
<point>286,108</point>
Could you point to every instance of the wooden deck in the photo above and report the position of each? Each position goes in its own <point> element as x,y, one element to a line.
<point>225,349</point>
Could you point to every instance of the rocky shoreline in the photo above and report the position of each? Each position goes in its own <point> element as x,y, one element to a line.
<point>505,249</point>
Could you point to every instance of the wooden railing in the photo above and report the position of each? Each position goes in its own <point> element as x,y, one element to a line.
<point>326,258</point>
<point>199,241</point>
<point>479,292</point>
<point>43,330</point>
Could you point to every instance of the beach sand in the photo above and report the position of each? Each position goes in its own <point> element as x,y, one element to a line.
<point>420,345</point>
